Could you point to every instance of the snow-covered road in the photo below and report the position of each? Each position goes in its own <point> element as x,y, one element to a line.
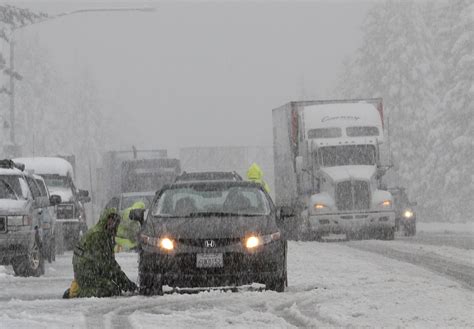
<point>355,284</point>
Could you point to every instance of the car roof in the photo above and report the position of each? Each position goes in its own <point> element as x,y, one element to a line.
<point>209,176</point>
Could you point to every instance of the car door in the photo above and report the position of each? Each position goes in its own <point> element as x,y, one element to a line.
<point>48,214</point>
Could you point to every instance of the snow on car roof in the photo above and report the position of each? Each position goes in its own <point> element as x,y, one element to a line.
<point>47,166</point>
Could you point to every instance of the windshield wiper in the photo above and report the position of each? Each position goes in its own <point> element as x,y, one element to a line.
<point>9,187</point>
<point>221,213</point>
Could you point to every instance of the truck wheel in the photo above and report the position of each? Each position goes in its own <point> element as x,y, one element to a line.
<point>31,264</point>
<point>389,234</point>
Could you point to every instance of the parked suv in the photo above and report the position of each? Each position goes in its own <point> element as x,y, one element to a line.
<point>208,234</point>
<point>25,220</point>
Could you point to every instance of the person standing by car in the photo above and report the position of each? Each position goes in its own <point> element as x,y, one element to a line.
<point>127,232</point>
<point>96,272</point>
<point>255,174</point>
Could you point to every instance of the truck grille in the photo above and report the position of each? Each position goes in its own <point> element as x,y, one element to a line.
<point>353,195</point>
<point>65,211</point>
<point>3,224</point>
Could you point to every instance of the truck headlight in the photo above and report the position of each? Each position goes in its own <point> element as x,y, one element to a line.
<point>386,203</point>
<point>408,213</point>
<point>319,206</point>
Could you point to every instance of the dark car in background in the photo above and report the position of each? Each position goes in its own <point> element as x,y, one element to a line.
<point>211,234</point>
<point>405,216</point>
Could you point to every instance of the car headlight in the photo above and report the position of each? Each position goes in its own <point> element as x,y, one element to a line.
<point>408,213</point>
<point>18,220</point>
<point>166,244</point>
<point>254,241</point>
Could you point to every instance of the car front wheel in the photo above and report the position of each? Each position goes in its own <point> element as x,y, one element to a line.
<point>31,264</point>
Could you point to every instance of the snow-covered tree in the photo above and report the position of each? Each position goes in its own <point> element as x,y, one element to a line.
<point>419,57</point>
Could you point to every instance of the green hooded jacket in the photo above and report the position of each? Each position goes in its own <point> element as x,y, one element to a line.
<point>95,268</point>
<point>255,174</point>
<point>128,229</point>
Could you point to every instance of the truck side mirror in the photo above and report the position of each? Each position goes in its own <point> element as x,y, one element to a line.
<point>54,200</point>
<point>137,215</point>
<point>84,196</point>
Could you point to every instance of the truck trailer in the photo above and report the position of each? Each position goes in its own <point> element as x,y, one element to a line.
<point>328,170</point>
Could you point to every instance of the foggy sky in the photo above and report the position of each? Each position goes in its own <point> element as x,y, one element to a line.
<point>192,74</point>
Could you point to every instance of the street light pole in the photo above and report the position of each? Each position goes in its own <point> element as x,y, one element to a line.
<point>14,75</point>
<point>12,90</point>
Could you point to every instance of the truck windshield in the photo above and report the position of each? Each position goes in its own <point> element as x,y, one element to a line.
<point>346,155</point>
<point>191,201</point>
<point>56,181</point>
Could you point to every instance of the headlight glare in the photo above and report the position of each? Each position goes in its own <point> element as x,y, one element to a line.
<point>408,214</point>
<point>319,206</point>
<point>252,242</point>
<point>166,244</point>
<point>386,203</point>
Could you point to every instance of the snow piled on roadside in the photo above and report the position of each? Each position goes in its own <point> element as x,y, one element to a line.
<point>438,227</point>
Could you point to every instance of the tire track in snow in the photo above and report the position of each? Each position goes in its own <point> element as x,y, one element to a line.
<point>460,272</point>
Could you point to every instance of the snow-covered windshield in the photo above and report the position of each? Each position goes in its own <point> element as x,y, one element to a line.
<point>331,156</point>
<point>207,200</point>
<point>55,181</point>
<point>13,187</point>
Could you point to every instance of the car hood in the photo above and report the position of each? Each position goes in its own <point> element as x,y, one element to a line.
<point>213,227</point>
<point>14,207</point>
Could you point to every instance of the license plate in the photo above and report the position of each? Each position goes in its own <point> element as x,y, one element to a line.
<point>3,224</point>
<point>209,260</point>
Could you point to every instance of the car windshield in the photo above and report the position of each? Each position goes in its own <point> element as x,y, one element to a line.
<point>128,201</point>
<point>13,187</point>
<point>56,181</point>
<point>347,155</point>
<point>207,200</point>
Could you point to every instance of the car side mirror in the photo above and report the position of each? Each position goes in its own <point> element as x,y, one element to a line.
<point>137,215</point>
<point>286,212</point>
<point>55,200</point>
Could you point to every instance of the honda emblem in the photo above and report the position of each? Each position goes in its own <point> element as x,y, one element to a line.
<point>210,244</point>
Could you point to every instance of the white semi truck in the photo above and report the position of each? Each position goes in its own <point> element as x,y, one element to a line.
<point>328,171</point>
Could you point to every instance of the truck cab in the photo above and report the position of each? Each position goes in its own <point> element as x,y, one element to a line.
<point>336,154</point>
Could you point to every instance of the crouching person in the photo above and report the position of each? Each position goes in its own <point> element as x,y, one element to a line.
<point>96,272</point>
